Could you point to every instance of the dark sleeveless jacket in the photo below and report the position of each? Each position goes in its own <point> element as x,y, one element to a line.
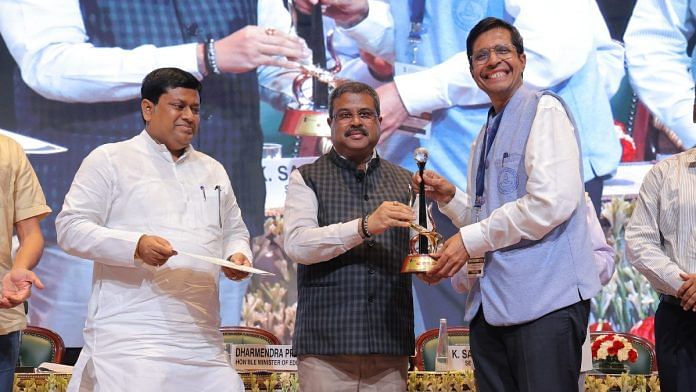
<point>357,303</point>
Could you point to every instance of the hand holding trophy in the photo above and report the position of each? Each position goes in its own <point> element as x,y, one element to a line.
<point>425,242</point>
<point>306,117</point>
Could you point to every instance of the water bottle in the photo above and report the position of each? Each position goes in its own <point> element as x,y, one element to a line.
<point>441,359</point>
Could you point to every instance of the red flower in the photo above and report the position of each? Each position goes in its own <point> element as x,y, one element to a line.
<point>618,345</point>
<point>628,146</point>
<point>645,328</point>
<point>632,356</point>
<point>601,325</point>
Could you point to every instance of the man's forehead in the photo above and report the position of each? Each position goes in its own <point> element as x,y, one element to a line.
<point>180,92</point>
<point>497,33</point>
<point>355,99</point>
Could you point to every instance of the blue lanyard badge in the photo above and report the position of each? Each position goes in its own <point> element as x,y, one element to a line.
<point>492,126</point>
<point>414,35</point>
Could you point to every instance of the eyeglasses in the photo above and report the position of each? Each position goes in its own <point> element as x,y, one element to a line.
<point>363,115</point>
<point>503,52</point>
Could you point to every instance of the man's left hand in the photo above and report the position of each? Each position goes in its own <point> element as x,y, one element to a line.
<point>16,287</point>
<point>687,292</point>
<point>233,274</point>
<point>450,259</point>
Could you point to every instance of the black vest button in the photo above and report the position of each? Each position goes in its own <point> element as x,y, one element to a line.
<point>366,197</point>
<point>192,29</point>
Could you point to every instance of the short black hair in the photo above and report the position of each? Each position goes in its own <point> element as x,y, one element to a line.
<point>355,88</point>
<point>161,80</point>
<point>491,23</point>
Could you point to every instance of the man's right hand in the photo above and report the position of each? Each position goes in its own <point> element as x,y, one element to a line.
<point>253,46</point>
<point>154,250</point>
<point>687,292</point>
<point>346,13</point>
<point>436,187</point>
<point>16,287</point>
<point>389,214</point>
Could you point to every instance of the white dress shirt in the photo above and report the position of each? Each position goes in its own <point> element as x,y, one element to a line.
<point>157,328</point>
<point>49,42</point>
<point>305,241</point>
<point>656,40</point>
<point>660,237</point>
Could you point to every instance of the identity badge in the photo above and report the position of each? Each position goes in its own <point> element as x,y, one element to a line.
<point>474,267</point>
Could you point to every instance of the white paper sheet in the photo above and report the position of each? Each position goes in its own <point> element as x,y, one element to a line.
<point>32,145</point>
<point>226,263</point>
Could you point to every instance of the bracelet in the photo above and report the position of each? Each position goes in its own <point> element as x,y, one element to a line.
<point>210,62</point>
<point>366,233</point>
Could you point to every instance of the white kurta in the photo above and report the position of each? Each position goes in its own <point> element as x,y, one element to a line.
<point>147,328</point>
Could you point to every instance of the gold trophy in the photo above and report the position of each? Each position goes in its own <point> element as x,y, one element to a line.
<point>425,241</point>
<point>306,118</point>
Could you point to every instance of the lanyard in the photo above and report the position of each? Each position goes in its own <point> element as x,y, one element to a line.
<point>414,36</point>
<point>491,130</point>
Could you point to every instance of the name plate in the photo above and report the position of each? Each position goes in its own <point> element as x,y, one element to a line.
<point>460,357</point>
<point>277,173</point>
<point>261,357</point>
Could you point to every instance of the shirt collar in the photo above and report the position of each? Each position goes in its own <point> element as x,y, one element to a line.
<point>162,150</point>
<point>369,161</point>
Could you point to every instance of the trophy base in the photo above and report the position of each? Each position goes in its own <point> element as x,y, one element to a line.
<point>305,122</point>
<point>414,263</point>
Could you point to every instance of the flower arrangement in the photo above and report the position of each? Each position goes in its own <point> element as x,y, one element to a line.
<point>612,347</point>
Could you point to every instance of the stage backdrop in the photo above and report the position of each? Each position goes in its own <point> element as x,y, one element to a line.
<point>270,303</point>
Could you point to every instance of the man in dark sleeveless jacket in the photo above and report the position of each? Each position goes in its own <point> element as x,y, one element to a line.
<point>524,219</point>
<point>346,225</point>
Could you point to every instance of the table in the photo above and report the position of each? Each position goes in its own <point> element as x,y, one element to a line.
<point>417,381</point>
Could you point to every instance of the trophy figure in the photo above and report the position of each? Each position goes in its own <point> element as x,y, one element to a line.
<point>307,116</point>
<point>425,241</point>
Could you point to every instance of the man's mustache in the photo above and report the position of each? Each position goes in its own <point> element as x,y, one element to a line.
<point>360,129</point>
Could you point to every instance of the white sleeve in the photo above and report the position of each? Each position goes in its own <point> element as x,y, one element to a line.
<point>610,54</point>
<point>644,247</point>
<point>306,242</point>
<point>49,43</point>
<point>80,225</point>
<point>375,34</point>
<point>658,65</point>
<point>458,210</point>
<point>275,83</point>
<point>235,233</point>
<point>554,186</point>
<point>556,47</point>
<point>601,251</point>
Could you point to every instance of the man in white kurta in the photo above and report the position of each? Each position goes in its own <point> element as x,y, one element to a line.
<point>153,318</point>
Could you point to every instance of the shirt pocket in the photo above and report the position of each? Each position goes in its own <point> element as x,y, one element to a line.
<point>509,176</point>
<point>208,211</point>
